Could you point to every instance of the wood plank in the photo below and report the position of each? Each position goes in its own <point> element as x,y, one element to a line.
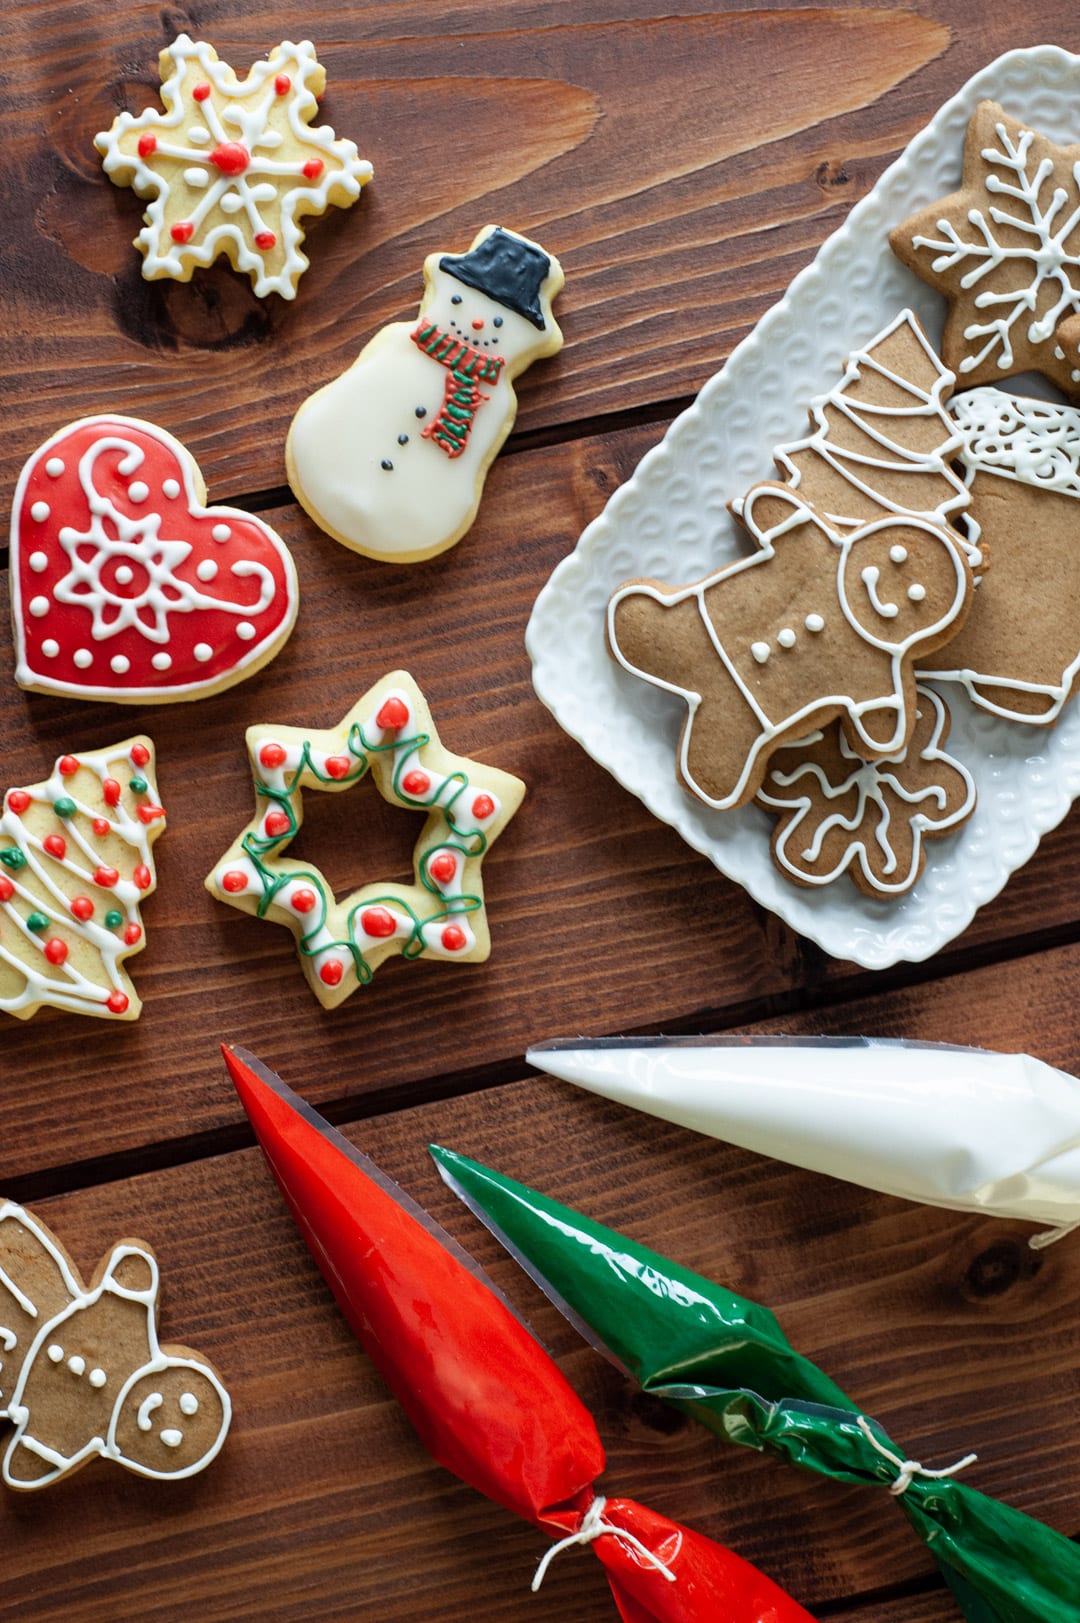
<point>324,1505</point>
<point>602,919</point>
<point>681,210</point>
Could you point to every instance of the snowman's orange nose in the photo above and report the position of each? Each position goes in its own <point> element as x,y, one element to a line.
<point>478,325</point>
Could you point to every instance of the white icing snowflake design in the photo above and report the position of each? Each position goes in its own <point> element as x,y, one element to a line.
<point>233,164</point>
<point>1045,224</point>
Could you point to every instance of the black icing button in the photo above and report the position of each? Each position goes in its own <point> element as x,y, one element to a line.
<point>421,411</point>
<point>387,464</point>
<point>403,439</point>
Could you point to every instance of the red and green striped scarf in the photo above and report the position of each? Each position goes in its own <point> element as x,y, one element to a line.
<point>462,398</point>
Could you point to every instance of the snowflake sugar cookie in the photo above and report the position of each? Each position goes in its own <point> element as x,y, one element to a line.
<point>390,734</point>
<point>1005,251</point>
<point>233,164</point>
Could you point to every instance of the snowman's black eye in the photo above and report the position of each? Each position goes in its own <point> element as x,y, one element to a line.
<point>456,299</point>
<point>497,322</point>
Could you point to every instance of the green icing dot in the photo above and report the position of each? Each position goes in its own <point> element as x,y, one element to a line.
<point>114,919</point>
<point>138,785</point>
<point>37,921</point>
<point>65,806</point>
<point>13,858</point>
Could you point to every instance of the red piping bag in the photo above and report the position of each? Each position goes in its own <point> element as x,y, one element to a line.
<point>485,1398</point>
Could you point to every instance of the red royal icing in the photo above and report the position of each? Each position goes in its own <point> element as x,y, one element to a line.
<point>82,907</point>
<point>110,789</point>
<point>377,921</point>
<point>338,766</point>
<point>201,90</point>
<point>18,800</point>
<point>132,934</point>
<point>272,755</point>
<point>140,755</point>
<point>182,231</point>
<point>483,806</point>
<point>283,84</point>
<point>101,825</point>
<point>147,144</point>
<point>416,782</point>
<point>105,877</point>
<point>453,938</point>
<point>265,240</point>
<point>117,1002</point>
<point>7,889</point>
<point>392,716</point>
<point>234,880</point>
<point>277,822</point>
<point>56,950</point>
<point>149,814</point>
<point>68,765</point>
<point>231,158</point>
<point>303,899</point>
<point>313,168</point>
<point>56,846</point>
<point>126,612</point>
<point>143,877</point>
<point>443,867</point>
<point>332,971</point>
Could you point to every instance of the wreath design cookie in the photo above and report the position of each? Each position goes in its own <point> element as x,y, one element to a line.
<point>389,733</point>
<point>76,864</point>
<point>838,813</point>
<point>233,164</point>
<point>82,1373</point>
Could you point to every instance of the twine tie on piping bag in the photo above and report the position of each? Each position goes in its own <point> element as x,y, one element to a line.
<point>593,1526</point>
<point>910,1469</point>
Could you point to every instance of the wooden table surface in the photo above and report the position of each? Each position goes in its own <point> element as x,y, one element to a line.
<point>684,163</point>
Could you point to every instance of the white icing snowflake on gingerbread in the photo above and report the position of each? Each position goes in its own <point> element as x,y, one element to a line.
<point>233,164</point>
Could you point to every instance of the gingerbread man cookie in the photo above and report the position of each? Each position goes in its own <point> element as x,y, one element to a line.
<point>82,1373</point>
<point>815,625</point>
<point>232,165</point>
<point>76,864</point>
<point>389,733</point>
<point>1005,251</point>
<point>1018,656</point>
<point>390,459</point>
<point>838,813</point>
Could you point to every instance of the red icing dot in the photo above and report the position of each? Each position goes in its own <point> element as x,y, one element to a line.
<point>416,782</point>
<point>56,950</point>
<point>231,158</point>
<point>147,144</point>
<point>393,715</point>
<point>67,765</point>
<point>378,921</point>
<point>132,934</point>
<point>443,867</point>
<point>140,755</point>
<point>148,813</point>
<point>283,84</point>
<point>338,765</point>
<point>265,240</point>
<point>110,789</point>
<point>201,90</point>
<point>272,755</point>
<point>234,880</point>
<point>483,806</point>
<point>277,822</point>
<point>313,168</point>
<point>56,846</point>
<point>7,889</point>
<point>304,899</point>
<point>143,877</point>
<point>105,877</point>
<point>453,938</point>
<point>117,1002</point>
<point>182,232</point>
<point>331,972</point>
<point>101,825</point>
<point>18,800</point>
<point>82,907</point>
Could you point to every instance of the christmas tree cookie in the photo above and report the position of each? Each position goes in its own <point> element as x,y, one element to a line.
<point>76,864</point>
<point>390,459</point>
<point>233,164</point>
<point>389,733</point>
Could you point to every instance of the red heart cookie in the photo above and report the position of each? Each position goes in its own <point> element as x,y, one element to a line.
<point>124,586</point>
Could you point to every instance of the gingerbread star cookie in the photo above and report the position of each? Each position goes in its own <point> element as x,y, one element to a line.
<point>1005,251</point>
<point>390,735</point>
<point>232,164</point>
<point>76,864</point>
<point>82,1373</point>
<point>838,813</point>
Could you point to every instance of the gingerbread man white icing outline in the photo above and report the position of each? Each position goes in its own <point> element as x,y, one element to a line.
<point>854,710</point>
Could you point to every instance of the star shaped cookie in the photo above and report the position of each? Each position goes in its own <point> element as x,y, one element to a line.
<point>389,733</point>
<point>232,165</point>
<point>1005,251</point>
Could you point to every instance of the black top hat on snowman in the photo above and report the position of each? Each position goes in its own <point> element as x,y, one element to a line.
<point>507,269</point>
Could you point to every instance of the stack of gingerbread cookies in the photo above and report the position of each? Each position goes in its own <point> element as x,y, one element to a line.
<point>923,529</point>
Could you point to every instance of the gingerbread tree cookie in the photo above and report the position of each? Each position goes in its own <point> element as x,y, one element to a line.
<point>1005,251</point>
<point>389,733</point>
<point>83,1375</point>
<point>838,813</point>
<point>233,164</point>
<point>76,864</point>
<point>815,625</point>
<point>881,441</point>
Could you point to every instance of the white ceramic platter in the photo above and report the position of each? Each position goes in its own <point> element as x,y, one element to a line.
<point>670,520</point>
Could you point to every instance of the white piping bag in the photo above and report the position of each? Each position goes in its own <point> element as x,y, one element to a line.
<point>962,1128</point>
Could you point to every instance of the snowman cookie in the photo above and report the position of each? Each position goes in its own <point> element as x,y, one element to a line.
<point>816,624</point>
<point>390,459</point>
<point>82,1373</point>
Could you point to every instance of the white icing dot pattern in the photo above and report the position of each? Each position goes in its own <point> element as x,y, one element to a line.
<point>40,511</point>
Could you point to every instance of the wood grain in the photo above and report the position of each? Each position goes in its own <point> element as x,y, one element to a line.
<point>323,1504</point>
